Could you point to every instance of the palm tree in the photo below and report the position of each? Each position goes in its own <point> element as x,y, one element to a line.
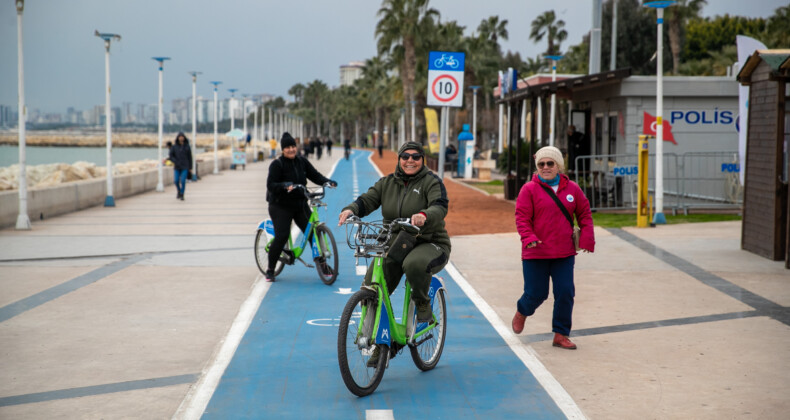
<point>297,91</point>
<point>547,25</point>
<point>400,25</point>
<point>314,93</point>
<point>677,16</point>
<point>492,29</point>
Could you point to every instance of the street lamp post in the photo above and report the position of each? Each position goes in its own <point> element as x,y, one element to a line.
<point>160,186</point>
<point>244,113</point>
<point>232,101</point>
<point>554,59</point>
<point>658,217</point>
<point>194,123</point>
<point>470,149</point>
<point>255,135</point>
<point>216,141</point>
<point>109,201</point>
<point>22,220</point>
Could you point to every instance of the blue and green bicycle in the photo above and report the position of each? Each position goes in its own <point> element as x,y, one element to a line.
<point>322,242</point>
<point>369,334</point>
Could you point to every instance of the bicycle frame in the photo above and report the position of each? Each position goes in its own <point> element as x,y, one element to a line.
<point>384,322</point>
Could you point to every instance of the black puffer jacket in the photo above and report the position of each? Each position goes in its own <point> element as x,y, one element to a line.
<point>181,154</point>
<point>284,172</point>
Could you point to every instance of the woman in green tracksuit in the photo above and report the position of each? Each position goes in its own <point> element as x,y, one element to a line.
<point>414,192</point>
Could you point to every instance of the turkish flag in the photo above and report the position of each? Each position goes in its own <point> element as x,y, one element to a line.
<point>649,127</point>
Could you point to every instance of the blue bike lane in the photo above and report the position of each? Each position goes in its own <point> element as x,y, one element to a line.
<point>286,364</point>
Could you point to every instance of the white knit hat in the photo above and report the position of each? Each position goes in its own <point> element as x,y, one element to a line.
<point>552,153</point>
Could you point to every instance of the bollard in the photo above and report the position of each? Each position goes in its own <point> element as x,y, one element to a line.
<point>642,210</point>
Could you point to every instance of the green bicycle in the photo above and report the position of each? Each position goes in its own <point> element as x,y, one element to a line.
<point>368,327</point>
<point>322,242</point>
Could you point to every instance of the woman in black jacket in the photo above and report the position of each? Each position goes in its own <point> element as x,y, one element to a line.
<point>285,206</point>
<point>181,156</point>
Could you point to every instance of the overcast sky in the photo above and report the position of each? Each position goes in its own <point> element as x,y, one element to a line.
<point>256,46</point>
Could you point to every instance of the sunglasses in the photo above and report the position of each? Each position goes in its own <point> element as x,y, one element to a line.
<point>549,164</point>
<point>413,156</point>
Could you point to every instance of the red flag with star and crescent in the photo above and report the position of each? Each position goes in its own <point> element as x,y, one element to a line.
<point>649,127</point>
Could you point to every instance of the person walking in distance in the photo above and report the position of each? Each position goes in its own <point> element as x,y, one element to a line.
<point>285,206</point>
<point>547,242</point>
<point>181,156</point>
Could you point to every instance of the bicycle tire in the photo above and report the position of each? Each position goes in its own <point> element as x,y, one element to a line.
<point>262,256</point>
<point>427,354</point>
<point>327,264</point>
<point>351,359</point>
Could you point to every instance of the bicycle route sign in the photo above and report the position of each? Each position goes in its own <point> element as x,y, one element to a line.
<point>446,78</point>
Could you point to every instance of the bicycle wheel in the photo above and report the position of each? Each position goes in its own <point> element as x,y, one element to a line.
<point>428,350</point>
<point>326,265</point>
<point>262,255</point>
<point>355,345</point>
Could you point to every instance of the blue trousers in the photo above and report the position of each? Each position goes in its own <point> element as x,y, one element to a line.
<point>180,178</point>
<point>536,290</point>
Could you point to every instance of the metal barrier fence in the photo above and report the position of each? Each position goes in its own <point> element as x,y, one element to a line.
<point>691,180</point>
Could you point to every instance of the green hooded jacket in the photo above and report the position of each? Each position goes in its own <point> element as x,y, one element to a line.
<point>400,195</point>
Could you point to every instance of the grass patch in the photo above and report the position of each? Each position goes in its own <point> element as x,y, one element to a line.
<point>495,186</point>
<point>610,220</point>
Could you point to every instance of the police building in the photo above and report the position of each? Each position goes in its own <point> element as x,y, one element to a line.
<point>612,109</point>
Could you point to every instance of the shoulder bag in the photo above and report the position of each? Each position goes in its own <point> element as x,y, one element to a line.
<point>576,229</point>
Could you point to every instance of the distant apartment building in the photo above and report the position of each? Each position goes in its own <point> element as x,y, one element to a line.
<point>350,72</point>
<point>8,116</point>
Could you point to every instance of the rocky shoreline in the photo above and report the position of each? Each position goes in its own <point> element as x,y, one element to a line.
<point>60,139</point>
<point>48,175</point>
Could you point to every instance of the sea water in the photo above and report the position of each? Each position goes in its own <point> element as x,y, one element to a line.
<point>39,155</point>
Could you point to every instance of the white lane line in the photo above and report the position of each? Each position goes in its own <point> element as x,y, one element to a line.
<point>370,159</point>
<point>354,178</point>
<point>199,395</point>
<point>524,352</point>
<point>379,415</point>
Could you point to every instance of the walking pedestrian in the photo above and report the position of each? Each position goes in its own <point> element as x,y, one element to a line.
<point>181,156</point>
<point>543,218</point>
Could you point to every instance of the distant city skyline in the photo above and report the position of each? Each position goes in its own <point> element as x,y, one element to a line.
<point>254,46</point>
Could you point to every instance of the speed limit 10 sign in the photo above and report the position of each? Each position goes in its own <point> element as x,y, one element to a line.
<point>446,78</point>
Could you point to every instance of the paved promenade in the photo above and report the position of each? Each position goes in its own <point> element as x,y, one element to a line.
<point>117,312</point>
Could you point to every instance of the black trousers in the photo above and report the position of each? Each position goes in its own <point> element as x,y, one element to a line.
<point>282,215</point>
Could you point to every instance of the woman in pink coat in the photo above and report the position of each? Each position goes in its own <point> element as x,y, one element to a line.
<point>547,248</point>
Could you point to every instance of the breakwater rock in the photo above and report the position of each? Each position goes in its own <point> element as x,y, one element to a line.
<point>42,176</point>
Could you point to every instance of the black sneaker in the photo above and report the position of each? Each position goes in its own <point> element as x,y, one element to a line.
<point>374,358</point>
<point>424,313</point>
<point>269,274</point>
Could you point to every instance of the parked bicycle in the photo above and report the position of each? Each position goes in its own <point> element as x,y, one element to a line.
<point>368,327</point>
<point>322,241</point>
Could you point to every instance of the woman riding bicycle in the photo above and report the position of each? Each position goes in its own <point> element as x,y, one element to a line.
<point>415,192</point>
<point>285,173</point>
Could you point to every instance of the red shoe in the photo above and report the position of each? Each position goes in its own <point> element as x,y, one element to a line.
<point>563,342</point>
<point>518,322</point>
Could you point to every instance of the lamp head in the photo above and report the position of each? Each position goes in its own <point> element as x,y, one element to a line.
<point>662,4</point>
<point>161,60</point>
<point>20,5</point>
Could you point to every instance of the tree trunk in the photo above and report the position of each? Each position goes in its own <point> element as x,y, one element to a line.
<point>674,43</point>
<point>409,69</point>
